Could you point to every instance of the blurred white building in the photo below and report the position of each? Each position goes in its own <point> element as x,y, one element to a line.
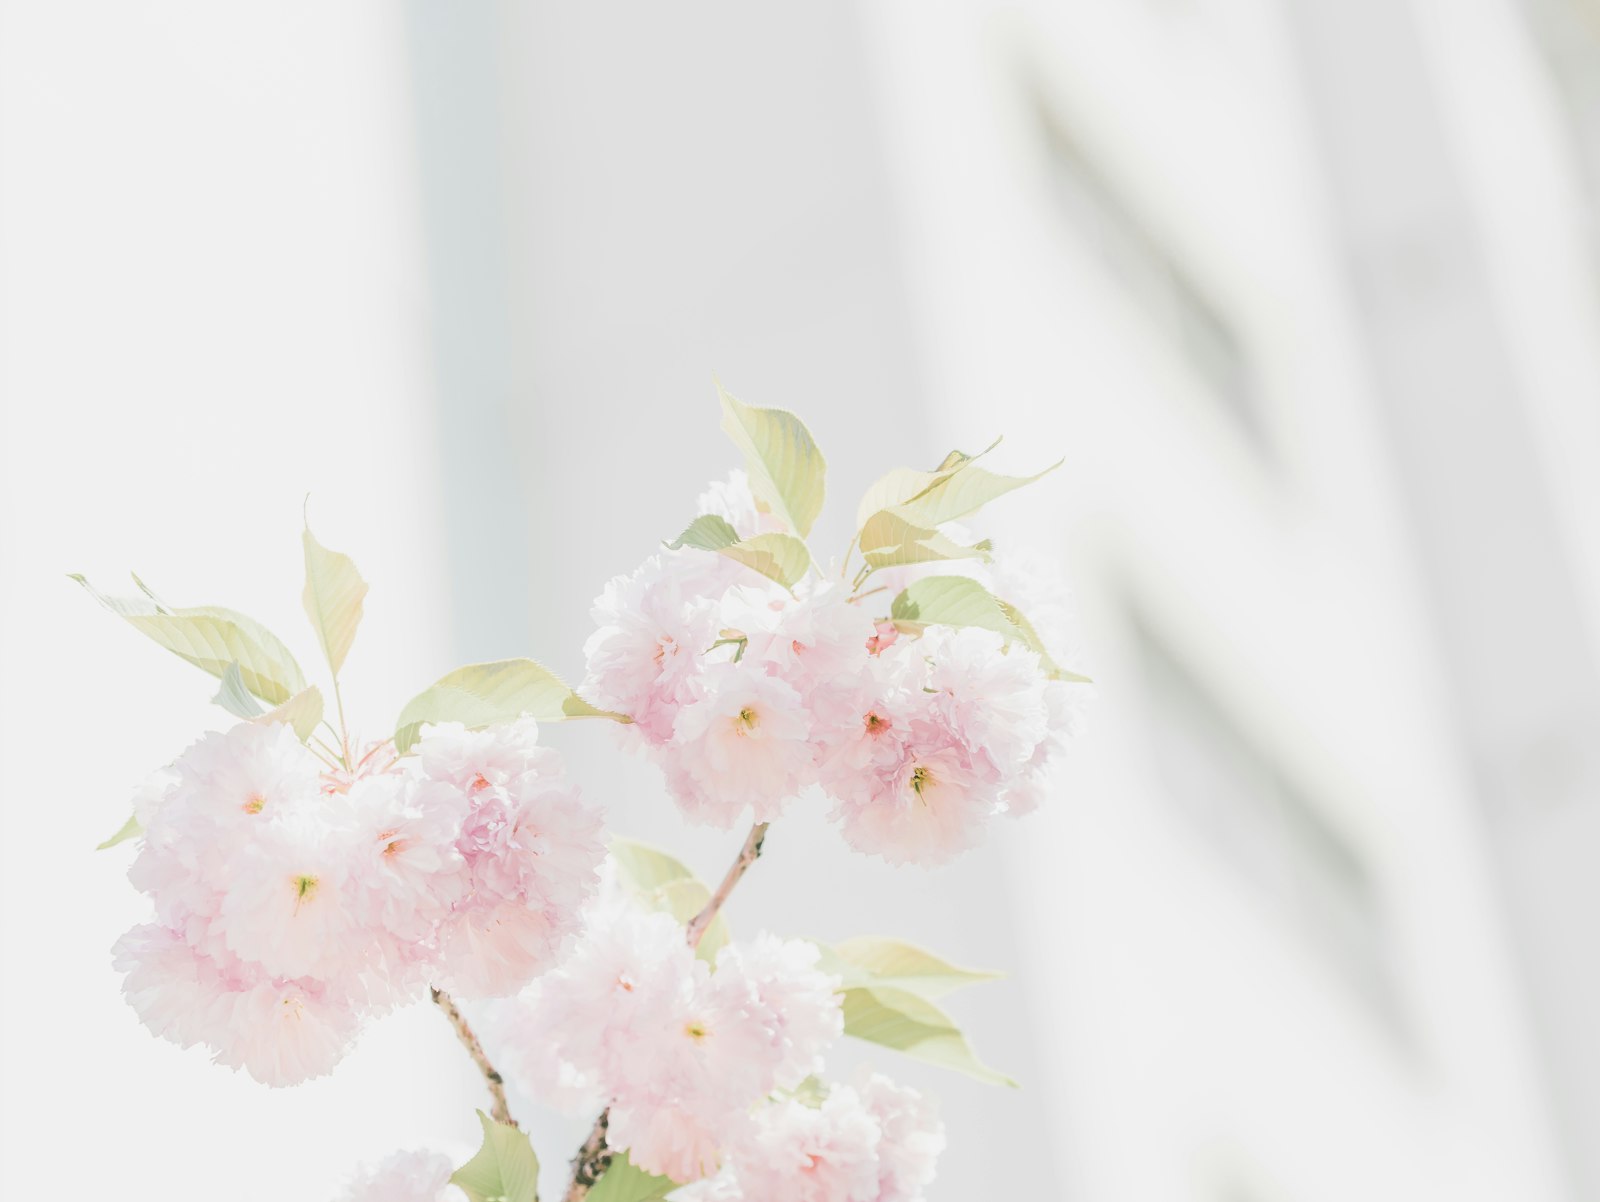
<point>1305,290</point>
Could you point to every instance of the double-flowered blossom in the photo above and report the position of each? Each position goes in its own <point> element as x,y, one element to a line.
<point>747,694</point>
<point>678,1049</point>
<point>291,905</point>
<point>872,1141</point>
<point>404,1177</point>
<point>703,1067</point>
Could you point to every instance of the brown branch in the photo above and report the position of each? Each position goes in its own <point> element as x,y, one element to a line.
<point>498,1111</point>
<point>748,855</point>
<point>594,1157</point>
<point>591,1162</point>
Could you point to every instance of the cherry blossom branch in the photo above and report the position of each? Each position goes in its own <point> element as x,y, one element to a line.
<point>499,1111</point>
<point>594,1157</point>
<point>591,1162</point>
<point>748,855</point>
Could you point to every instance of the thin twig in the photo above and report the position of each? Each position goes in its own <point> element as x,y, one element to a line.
<point>594,1157</point>
<point>499,1111</point>
<point>748,855</point>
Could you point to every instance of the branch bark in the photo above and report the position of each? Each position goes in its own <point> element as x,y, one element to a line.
<point>594,1157</point>
<point>591,1162</point>
<point>748,855</point>
<point>498,1110</point>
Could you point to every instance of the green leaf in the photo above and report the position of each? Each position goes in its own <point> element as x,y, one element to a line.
<point>889,540</point>
<point>952,601</point>
<point>128,830</point>
<point>905,484</point>
<point>962,601</point>
<point>780,557</point>
<point>812,1092</point>
<point>624,1181</point>
<point>664,883</point>
<point>234,697</point>
<point>212,638</point>
<point>480,695</point>
<point>900,1019</point>
<point>646,868</point>
<point>872,961</point>
<point>1031,638</point>
<point>505,1168</point>
<point>333,599</point>
<point>302,711</point>
<point>708,532</point>
<point>787,471</point>
<point>964,490</point>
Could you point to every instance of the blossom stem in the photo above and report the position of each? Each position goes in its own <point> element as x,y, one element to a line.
<point>499,1111</point>
<point>748,855</point>
<point>344,728</point>
<point>594,1157</point>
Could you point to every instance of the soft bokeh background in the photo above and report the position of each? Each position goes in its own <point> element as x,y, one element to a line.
<point>1304,290</point>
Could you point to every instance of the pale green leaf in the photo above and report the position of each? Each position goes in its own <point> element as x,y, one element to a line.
<point>787,472</point>
<point>623,1181</point>
<point>302,711</point>
<point>952,601</point>
<point>962,491</point>
<point>905,484</point>
<point>480,695</point>
<point>1031,639</point>
<point>149,592</point>
<point>889,540</point>
<point>505,1168</point>
<point>234,697</point>
<point>212,638</point>
<point>900,1019</point>
<point>128,830</point>
<point>645,868</point>
<point>662,882</point>
<point>333,598</point>
<point>873,961</point>
<point>812,1092</point>
<point>708,532</point>
<point>961,601</point>
<point>780,557</point>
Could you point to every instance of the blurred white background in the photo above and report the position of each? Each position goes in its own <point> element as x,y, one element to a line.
<point>1304,290</point>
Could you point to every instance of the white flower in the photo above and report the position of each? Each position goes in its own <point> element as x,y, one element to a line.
<point>799,1153</point>
<point>404,1177</point>
<point>800,1003</point>
<point>744,740</point>
<point>911,1137</point>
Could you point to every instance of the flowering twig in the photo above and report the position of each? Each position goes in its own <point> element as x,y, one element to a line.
<point>499,1111</point>
<point>594,1157</point>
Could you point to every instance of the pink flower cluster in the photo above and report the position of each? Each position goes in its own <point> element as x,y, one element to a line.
<point>698,1063</point>
<point>746,695</point>
<point>872,1141</point>
<point>291,906</point>
<point>404,1177</point>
